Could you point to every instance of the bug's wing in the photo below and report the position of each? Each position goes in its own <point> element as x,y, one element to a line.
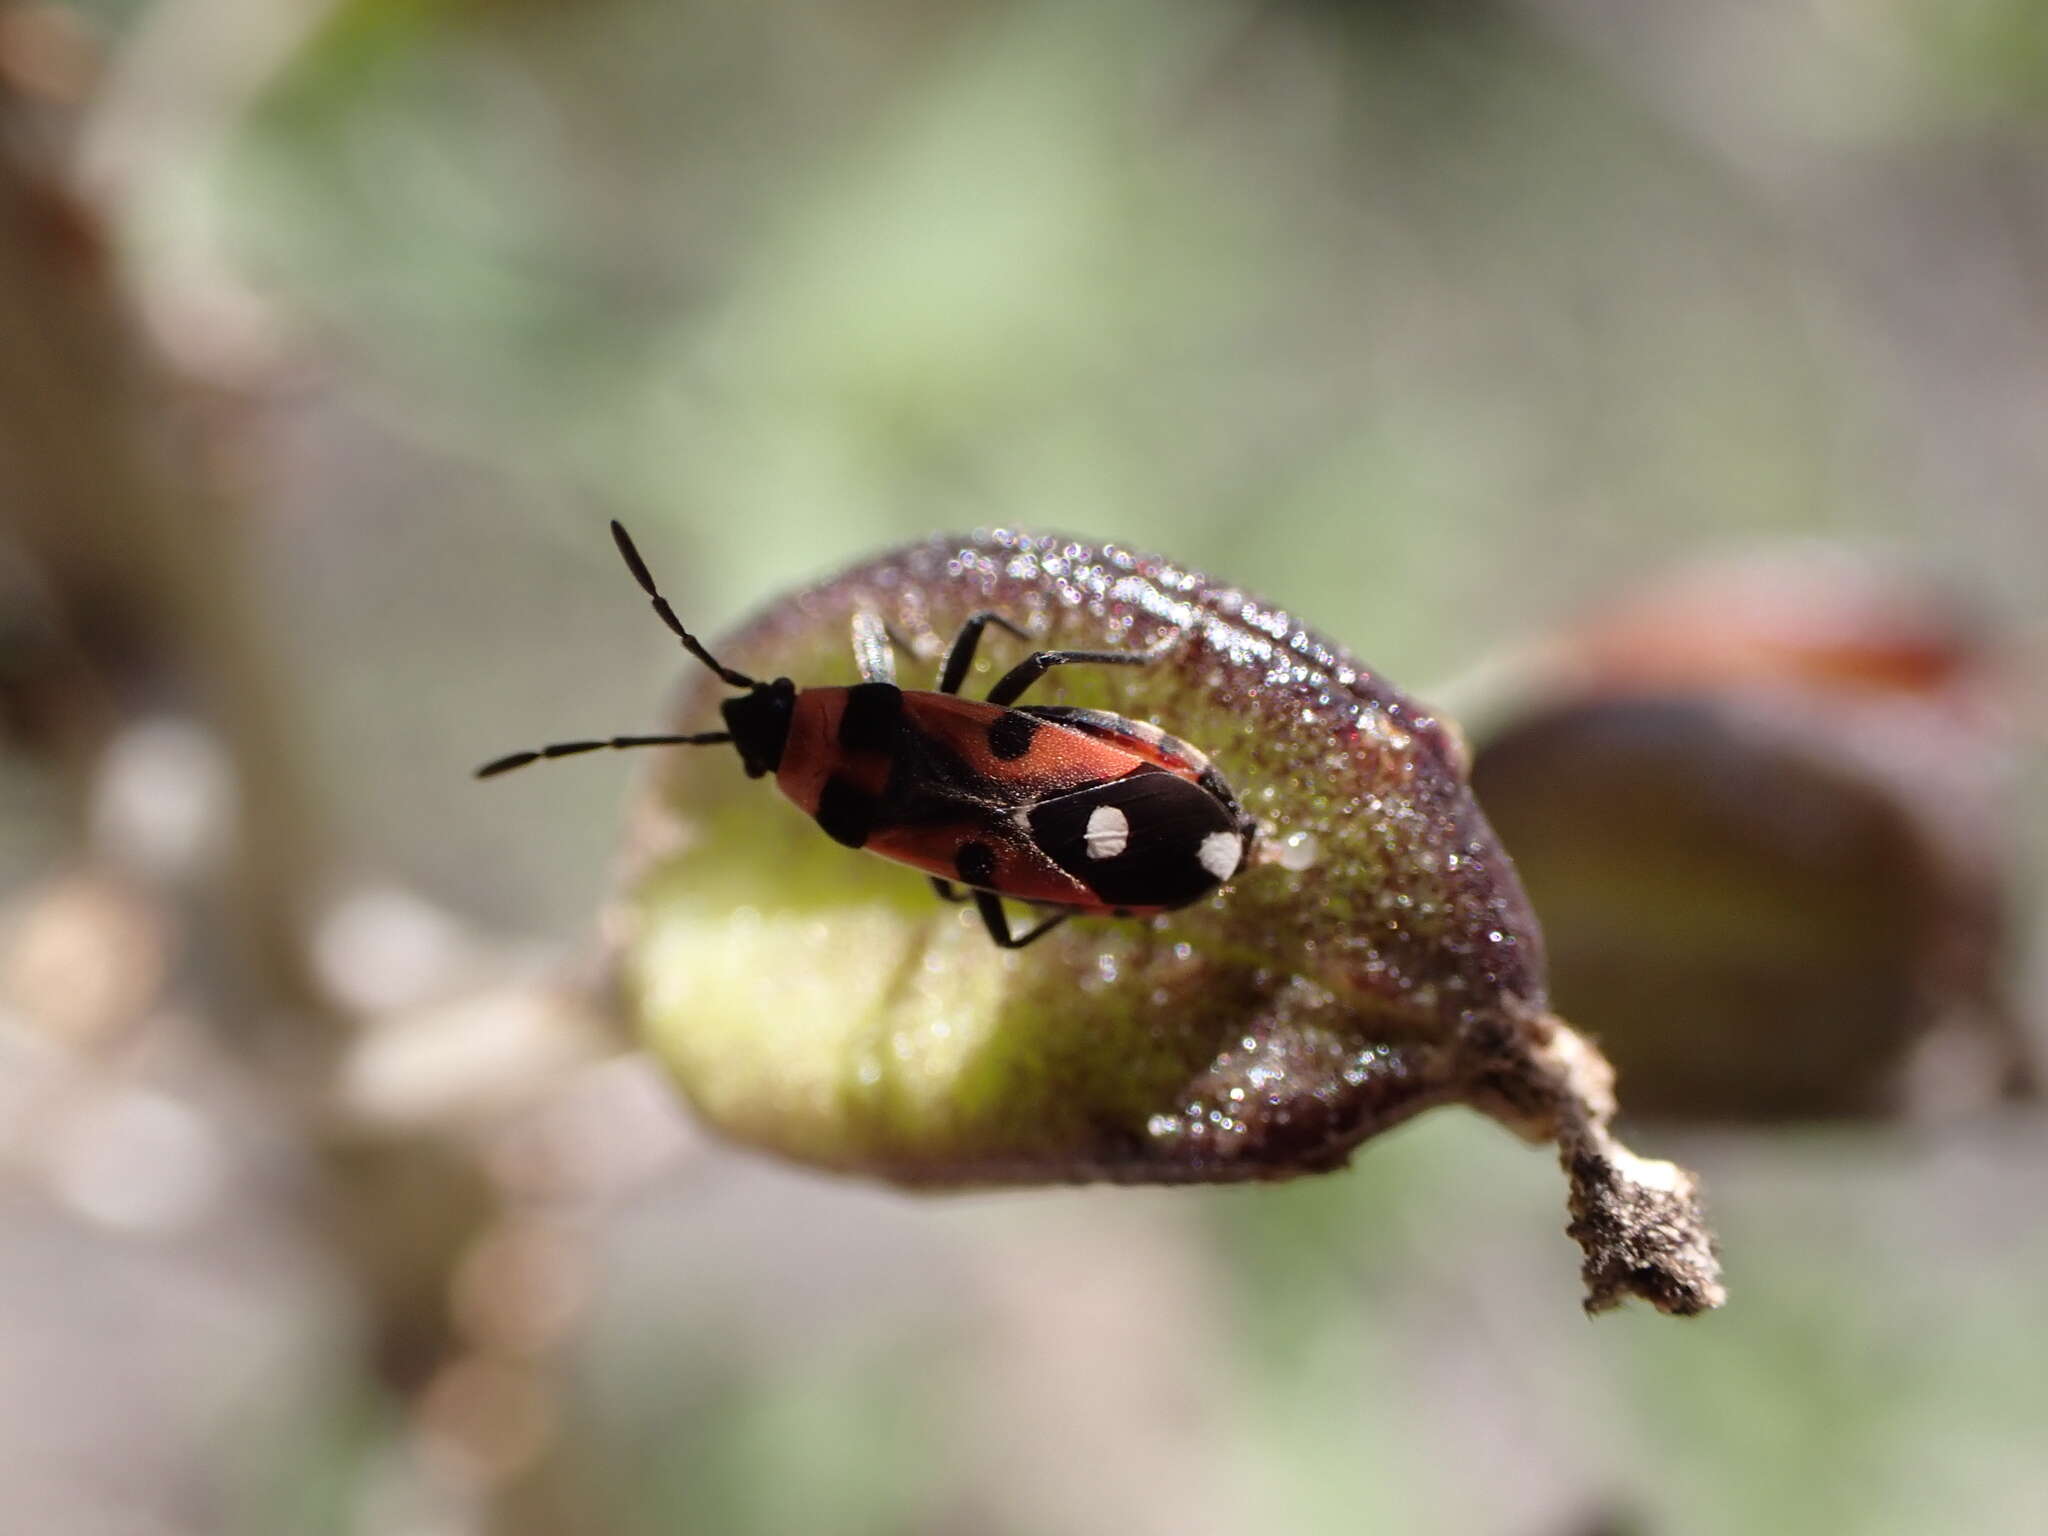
<point>1138,739</point>
<point>1013,755</point>
<point>1149,840</point>
<point>986,847</point>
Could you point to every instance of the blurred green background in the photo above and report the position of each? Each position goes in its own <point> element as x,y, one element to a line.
<point>1438,323</point>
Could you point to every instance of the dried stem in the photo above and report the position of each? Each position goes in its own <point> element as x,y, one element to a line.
<point>1638,1221</point>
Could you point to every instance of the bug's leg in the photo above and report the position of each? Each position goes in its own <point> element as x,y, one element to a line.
<point>960,655</point>
<point>947,890</point>
<point>874,648</point>
<point>990,906</point>
<point>513,760</point>
<point>1038,663</point>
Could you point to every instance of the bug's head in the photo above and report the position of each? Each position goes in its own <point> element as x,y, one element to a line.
<point>758,721</point>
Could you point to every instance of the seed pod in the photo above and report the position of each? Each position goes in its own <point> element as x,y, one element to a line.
<point>1374,959</point>
<point>1762,807</point>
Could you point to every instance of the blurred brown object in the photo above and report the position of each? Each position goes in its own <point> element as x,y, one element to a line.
<point>142,673</point>
<point>48,52</point>
<point>1762,809</point>
<point>132,576</point>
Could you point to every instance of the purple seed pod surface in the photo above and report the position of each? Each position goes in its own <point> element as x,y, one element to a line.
<point>1375,957</point>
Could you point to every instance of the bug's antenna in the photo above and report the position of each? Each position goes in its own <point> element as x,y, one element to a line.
<point>668,615</point>
<point>513,760</point>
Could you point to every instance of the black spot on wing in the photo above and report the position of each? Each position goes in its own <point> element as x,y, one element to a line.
<point>1009,738</point>
<point>1160,865</point>
<point>975,863</point>
<point>872,718</point>
<point>846,812</point>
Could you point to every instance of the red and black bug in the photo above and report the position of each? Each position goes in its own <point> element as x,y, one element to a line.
<point>1075,810</point>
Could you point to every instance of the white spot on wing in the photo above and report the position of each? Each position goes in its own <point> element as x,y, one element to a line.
<point>1108,834</point>
<point>1220,854</point>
